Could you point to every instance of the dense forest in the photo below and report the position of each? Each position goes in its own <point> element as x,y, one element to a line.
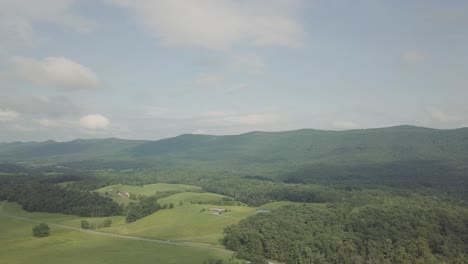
<point>391,230</point>
<point>37,197</point>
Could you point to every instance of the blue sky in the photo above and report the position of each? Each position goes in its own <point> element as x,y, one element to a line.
<point>154,69</point>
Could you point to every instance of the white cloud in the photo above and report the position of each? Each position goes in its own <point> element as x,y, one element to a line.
<point>94,122</point>
<point>414,57</point>
<point>59,72</point>
<point>18,19</point>
<point>440,116</point>
<point>219,24</point>
<point>7,115</point>
<point>344,125</point>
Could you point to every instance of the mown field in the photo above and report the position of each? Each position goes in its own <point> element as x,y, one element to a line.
<point>17,245</point>
<point>190,222</point>
<point>191,197</point>
<point>147,190</point>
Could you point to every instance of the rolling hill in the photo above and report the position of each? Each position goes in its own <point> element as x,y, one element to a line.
<point>404,153</point>
<point>306,145</point>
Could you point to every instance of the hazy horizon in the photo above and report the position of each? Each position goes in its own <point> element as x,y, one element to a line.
<point>156,69</point>
<point>253,131</point>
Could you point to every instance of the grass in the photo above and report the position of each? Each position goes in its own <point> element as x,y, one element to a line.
<point>193,223</point>
<point>147,190</point>
<point>189,197</point>
<point>69,220</point>
<point>189,222</point>
<point>17,245</point>
<point>185,223</point>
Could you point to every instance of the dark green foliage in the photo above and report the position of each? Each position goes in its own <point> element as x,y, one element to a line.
<point>38,197</point>
<point>85,224</point>
<point>220,261</point>
<point>137,210</point>
<point>416,230</point>
<point>105,223</point>
<point>53,199</point>
<point>171,205</point>
<point>41,230</point>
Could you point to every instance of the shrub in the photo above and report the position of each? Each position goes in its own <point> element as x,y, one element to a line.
<point>41,230</point>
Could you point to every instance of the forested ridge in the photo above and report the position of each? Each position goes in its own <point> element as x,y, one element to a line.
<point>401,157</point>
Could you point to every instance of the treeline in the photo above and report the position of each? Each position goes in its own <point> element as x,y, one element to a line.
<point>253,192</point>
<point>404,174</point>
<point>37,194</point>
<point>40,193</point>
<point>145,207</point>
<point>416,230</point>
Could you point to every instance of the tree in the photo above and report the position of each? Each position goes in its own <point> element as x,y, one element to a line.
<point>171,205</point>
<point>41,230</point>
<point>181,203</point>
<point>141,209</point>
<point>107,223</point>
<point>85,224</point>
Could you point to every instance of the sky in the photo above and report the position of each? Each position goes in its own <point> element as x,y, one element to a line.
<point>152,69</point>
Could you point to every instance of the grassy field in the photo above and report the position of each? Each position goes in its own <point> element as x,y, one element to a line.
<point>147,190</point>
<point>185,223</point>
<point>17,245</point>
<point>190,222</point>
<point>68,220</point>
<point>191,197</point>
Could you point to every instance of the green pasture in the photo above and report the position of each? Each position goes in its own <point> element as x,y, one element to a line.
<point>18,246</point>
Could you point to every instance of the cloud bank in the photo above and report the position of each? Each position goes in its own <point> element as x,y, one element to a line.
<point>58,72</point>
<point>219,24</point>
<point>94,122</point>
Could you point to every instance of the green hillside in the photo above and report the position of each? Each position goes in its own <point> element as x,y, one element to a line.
<point>407,155</point>
<point>300,146</point>
<point>17,245</point>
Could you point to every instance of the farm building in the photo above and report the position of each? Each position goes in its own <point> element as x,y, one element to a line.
<point>124,195</point>
<point>217,210</point>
